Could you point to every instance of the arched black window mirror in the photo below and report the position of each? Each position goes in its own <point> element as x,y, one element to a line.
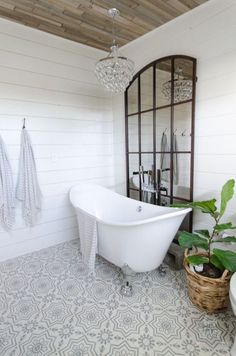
<point>159,111</point>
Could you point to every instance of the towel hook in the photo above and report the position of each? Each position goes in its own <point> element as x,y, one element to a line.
<point>164,131</point>
<point>23,123</point>
<point>183,133</point>
<point>175,131</point>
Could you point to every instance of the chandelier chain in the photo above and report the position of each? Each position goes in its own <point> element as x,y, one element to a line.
<point>113,31</point>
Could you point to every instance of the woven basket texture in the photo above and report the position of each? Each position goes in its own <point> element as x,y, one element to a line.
<point>209,294</point>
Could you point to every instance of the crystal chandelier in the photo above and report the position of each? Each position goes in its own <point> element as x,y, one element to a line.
<point>182,87</point>
<point>114,72</point>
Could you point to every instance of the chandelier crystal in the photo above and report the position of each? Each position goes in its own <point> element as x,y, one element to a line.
<point>114,72</point>
<point>182,87</point>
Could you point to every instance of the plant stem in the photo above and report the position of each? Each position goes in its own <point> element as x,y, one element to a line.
<point>211,236</point>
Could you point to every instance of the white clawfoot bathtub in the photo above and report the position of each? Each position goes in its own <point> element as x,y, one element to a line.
<point>129,231</point>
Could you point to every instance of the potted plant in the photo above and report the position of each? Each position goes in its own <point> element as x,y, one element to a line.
<point>209,269</point>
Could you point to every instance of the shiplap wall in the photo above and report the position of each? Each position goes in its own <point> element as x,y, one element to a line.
<point>207,33</point>
<point>50,81</point>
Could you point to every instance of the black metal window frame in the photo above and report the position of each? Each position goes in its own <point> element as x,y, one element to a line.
<point>154,110</point>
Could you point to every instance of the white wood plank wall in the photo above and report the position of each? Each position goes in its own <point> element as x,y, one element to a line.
<point>78,131</point>
<point>207,33</point>
<point>50,81</point>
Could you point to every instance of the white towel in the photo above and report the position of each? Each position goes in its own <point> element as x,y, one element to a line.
<point>7,199</point>
<point>175,161</point>
<point>88,238</point>
<point>28,190</point>
<point>165,158</point>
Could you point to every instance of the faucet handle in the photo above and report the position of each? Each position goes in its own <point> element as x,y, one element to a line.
<point>163,188</point>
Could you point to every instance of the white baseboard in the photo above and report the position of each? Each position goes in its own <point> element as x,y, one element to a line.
<point>36,244</point>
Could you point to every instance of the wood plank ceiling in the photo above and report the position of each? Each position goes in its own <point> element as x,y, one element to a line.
<point>86,21</point>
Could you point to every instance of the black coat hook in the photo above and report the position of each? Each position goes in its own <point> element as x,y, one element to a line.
<point>23,124</point>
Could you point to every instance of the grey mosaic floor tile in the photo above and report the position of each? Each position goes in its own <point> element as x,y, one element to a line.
<point>51,306</point>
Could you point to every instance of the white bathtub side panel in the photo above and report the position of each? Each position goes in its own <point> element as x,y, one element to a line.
<point>142,247</point>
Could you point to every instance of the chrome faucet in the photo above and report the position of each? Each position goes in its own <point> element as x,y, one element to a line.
<point>147,185</point>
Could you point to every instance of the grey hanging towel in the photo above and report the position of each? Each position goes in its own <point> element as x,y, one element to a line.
<point>28,190</point>
<point>175,161</point>
<point>165,158</point>
<point>7,199</point>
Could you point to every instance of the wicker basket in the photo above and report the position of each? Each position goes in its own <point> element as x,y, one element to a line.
<point>209,294</point>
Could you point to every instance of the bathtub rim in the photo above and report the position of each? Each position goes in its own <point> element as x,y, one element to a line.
<point>176,211</point>
<point>166,216</point>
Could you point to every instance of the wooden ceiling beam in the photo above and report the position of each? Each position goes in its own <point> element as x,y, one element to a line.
<point>157,10</point>
<point>191,4</point>
<point>20,16</point>
<point>122,24</point>
<point>87,21</point>
<point>79,17</point>
<point>101,26</point>
<point>120,32</point>
<point>59,6</point>
<point>125,12</point>
<point>37,17</point>
<point>166,7</point>
<point>179,5</point>
<point>7,5</point>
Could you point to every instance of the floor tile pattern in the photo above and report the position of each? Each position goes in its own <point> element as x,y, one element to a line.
<point>51,306</point>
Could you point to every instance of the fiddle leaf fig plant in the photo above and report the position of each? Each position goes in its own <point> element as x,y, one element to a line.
<point>220,258</point>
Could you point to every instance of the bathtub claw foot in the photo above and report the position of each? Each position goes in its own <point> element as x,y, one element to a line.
<point>126,287</point>
<point>126,290</point>
<point>161,270</point>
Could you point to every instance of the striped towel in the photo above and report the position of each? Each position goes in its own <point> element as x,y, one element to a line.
<point>28,190</point>
<point>88,238</point>
<point>7,199</point>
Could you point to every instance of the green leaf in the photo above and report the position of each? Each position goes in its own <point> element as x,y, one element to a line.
<point>227,258</point>
<point>204,233</point>
<point>216,262</point>
<point>188,240</point>
<point>226,194</point>
<point>226,239</point>
<point>207,206</point>
<point>226,226</point>
<point>197,260</point>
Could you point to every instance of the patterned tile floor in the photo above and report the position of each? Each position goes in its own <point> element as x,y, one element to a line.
<point>49,305</point>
